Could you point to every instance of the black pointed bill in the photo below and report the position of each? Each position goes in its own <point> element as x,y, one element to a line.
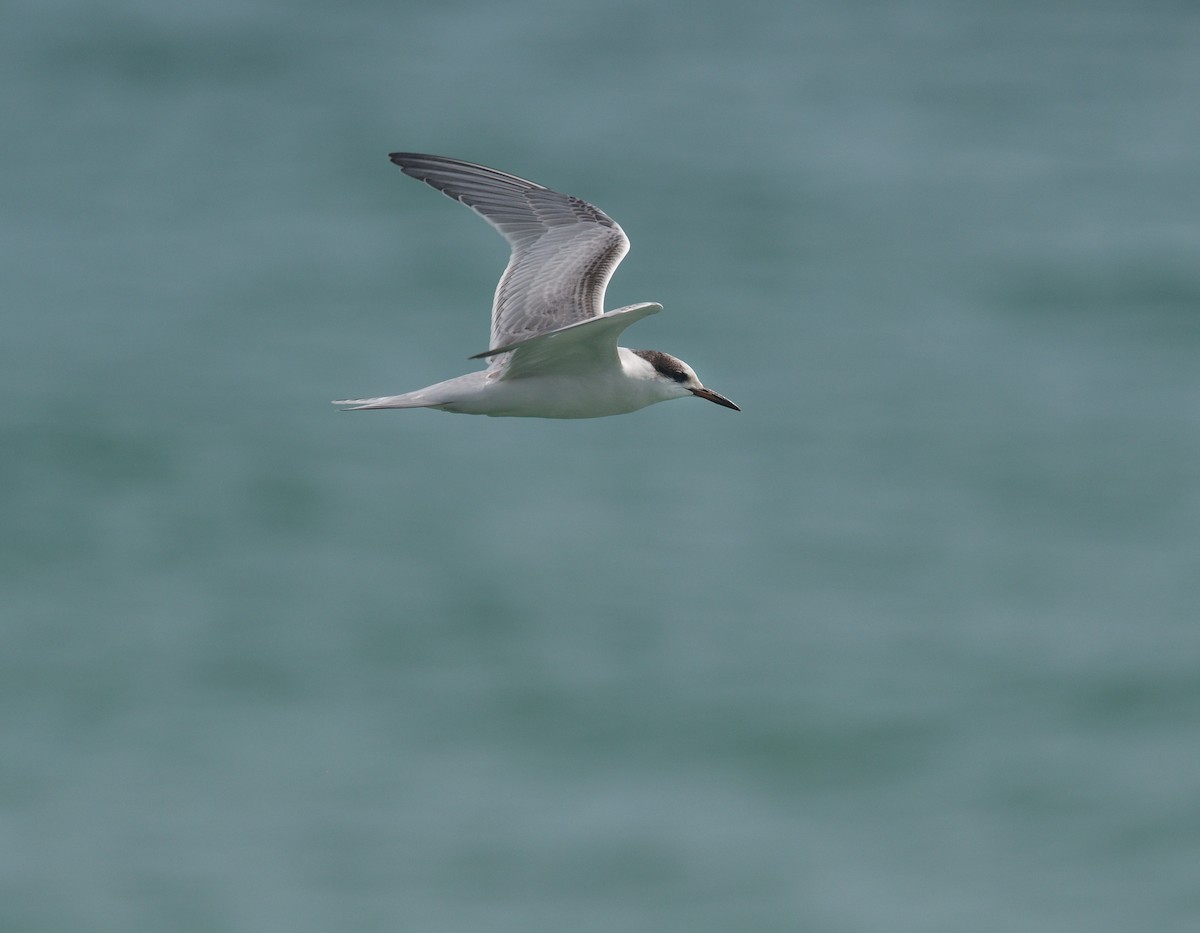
<point>713,397</point>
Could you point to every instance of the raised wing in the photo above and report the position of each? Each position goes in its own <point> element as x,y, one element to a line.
<point>564,250</point>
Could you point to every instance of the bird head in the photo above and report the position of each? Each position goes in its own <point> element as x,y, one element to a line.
<point>677,379</point>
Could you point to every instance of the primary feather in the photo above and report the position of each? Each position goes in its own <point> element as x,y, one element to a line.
<point>564,250</point>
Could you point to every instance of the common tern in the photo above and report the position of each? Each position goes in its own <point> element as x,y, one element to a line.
<point>554,350</point>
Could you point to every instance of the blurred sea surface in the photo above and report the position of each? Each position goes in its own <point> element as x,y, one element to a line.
<point>910,644</point>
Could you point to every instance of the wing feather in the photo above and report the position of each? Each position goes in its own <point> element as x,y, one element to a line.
<point>564,250</point>
<point>584,346</point>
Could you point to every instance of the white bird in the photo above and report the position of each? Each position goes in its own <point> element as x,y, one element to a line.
<point>554,350</point>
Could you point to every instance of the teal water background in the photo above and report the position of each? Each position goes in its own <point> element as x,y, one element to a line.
<point>910,644</point>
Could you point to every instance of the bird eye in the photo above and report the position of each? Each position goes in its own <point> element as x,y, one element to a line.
<point>679,376</point>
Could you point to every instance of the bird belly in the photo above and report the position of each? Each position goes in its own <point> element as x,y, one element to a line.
<point>556,397</point>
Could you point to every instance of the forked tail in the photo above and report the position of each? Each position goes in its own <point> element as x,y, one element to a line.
<point>408,400</point>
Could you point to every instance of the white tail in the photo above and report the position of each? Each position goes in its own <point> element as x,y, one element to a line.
<point>443,395</point>
<point>408,400</point>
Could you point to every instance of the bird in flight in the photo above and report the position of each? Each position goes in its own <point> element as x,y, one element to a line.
<point>554,350</point>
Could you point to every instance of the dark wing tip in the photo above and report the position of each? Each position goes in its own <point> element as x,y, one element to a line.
<point>404,159</point>
<point>408,160</point>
